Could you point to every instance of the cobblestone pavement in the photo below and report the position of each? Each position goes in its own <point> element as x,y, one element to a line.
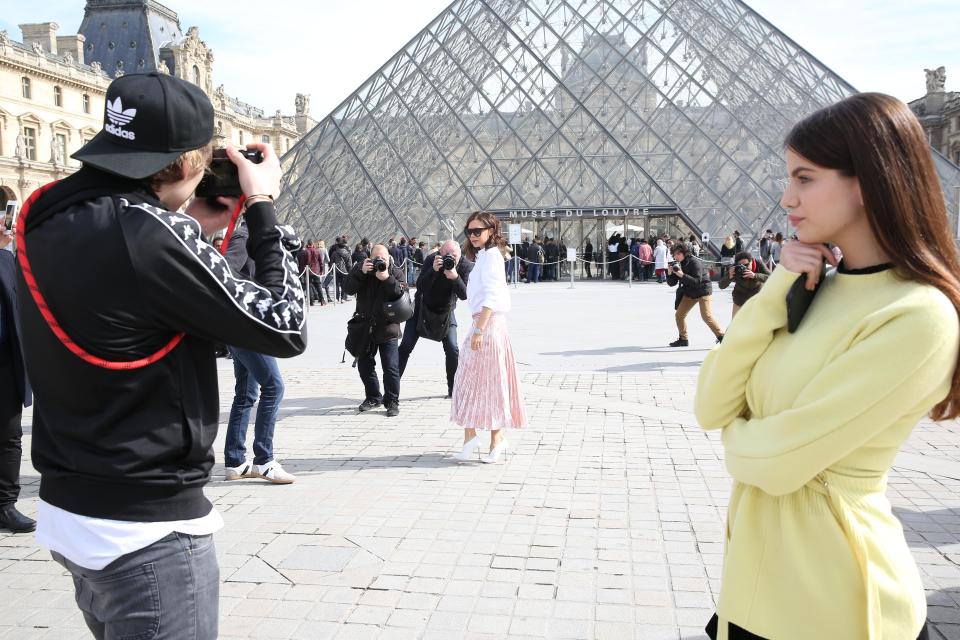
<point>606,522</point>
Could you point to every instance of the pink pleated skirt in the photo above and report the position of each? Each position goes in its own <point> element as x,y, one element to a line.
<point>486,390</point>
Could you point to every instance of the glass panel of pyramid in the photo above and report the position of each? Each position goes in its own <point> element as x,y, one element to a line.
<point>550,105</point>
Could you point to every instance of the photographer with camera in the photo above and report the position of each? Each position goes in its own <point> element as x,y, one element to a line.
<point>126,381</point>
<point>748,275</point>
<point>375,281</point>
<point>693,288</point>
<point>441,283</point>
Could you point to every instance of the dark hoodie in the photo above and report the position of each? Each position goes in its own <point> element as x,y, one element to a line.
<point>122,276</point>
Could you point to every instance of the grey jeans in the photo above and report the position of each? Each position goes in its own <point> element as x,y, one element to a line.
<point>167,591</point>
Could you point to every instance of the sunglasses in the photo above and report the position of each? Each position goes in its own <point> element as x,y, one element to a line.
<point>475,231</point>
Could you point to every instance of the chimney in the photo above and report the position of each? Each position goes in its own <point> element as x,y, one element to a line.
<point>72,44</point>
<point>43,32</point>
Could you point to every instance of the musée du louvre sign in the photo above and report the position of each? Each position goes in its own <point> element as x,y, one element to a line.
<point>593,212</point>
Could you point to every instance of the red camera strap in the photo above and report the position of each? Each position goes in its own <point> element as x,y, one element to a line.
<point>47,314</point>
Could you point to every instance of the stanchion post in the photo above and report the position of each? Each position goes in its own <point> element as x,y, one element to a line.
<point>306,284</point>
<point>629,270</point>
<point>336,299</point>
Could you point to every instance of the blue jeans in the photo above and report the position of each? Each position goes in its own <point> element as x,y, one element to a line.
<point>411,278</point>
<point>390,361</point>
<point>167,591</point>
<point>450,348</point>
<point>509,266</point>
<point>254,371</point>
<point>533,272</point>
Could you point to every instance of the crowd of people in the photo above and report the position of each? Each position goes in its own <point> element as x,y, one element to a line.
<point>812,405</point>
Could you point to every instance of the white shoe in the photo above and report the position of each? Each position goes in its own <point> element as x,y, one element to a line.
<point>494,455</point>
<point>468,448</point>
<point>273,472</point>
<point>245,470</point>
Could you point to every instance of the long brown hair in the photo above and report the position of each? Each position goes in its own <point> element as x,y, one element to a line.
<point>491,222</point>
<point>877,139</point>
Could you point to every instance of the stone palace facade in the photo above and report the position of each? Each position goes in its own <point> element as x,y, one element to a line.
<point>52,89</point>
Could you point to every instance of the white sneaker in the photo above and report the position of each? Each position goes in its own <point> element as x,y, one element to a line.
<point>273,472</point>
<point>245,470</point>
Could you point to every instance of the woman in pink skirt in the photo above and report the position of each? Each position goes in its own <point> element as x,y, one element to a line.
<point>486,389</point>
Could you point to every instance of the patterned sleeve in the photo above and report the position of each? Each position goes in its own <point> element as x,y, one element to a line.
<point>190,287</point>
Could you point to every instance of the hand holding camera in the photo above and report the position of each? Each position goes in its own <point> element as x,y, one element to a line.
<point>380,268</point>
<point>450,267</point>
<point>257,178</point>
<point>437,262</point>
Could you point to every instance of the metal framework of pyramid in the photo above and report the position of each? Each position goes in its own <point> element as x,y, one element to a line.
<point>501,105</point>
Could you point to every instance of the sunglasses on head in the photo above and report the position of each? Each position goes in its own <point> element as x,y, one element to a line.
<point>475,231</point>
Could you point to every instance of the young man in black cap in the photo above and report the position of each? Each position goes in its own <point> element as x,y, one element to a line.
<point>119,345</point>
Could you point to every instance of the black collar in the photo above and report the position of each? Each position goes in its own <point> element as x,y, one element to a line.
<point>842,268</point>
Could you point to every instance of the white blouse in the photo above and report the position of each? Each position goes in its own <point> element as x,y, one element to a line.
<point>487,286</point>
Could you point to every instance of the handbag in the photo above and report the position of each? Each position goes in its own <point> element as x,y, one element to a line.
<point>434,325</point>
<point>359,335</point>
<point>399,310</point>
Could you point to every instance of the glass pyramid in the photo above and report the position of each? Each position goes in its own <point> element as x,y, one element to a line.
<point>557,105</point>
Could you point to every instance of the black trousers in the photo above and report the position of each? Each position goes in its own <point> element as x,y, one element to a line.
<point>11,433</point>
<point>738,633</point>
<point>367,367</point>
<point>450,348</point>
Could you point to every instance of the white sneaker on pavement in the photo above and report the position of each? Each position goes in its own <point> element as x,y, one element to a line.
<point>273,472</point>
<point>244,470</point>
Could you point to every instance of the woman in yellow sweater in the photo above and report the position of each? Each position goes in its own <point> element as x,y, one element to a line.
<point>811,420</point>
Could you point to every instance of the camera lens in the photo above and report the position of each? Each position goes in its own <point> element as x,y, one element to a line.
<point>449,264</point>
<point>379,264</point>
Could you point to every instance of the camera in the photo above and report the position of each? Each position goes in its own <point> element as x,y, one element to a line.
<point>379,264</point>
<point>674,265</point>
<point>739,270</point>
<point>449,262</point>
<point>221,178</point>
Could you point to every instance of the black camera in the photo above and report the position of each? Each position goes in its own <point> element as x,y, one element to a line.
<point>674,265</point>
<point>449,262</point>
<point>221,178</point>
<point>739,270</point>
<point>379,264</point>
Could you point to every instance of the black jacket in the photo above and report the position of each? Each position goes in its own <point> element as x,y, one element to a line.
<point>12,352</point>
<point>695,282</point>
<point>371,294</point>
<point>438,292</point>
<point>340,257</point>
<point>122,276</point>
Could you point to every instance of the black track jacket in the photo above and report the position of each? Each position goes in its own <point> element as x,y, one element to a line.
<point>123,276</point>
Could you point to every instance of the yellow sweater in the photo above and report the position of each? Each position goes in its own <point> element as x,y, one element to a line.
<point>811,424</point>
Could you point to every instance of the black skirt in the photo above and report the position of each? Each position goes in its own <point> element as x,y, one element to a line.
<point>738,633</point>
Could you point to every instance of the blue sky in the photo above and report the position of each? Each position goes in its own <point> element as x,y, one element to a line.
<point>266,52</point>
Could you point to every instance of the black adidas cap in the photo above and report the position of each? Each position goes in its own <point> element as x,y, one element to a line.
<point>149,121</point>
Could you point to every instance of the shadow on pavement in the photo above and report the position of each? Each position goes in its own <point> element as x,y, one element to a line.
<point>649,366</point>
<point>611,351</point>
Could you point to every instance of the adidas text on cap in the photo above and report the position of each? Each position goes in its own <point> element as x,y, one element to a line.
<point>149,121</point>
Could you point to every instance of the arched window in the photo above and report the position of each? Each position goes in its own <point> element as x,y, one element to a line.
<point>25,87</point>
<point>58,96</point>
<point>196,75</point>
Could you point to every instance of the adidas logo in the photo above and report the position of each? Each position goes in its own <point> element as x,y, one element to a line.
<point>119,118</point>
